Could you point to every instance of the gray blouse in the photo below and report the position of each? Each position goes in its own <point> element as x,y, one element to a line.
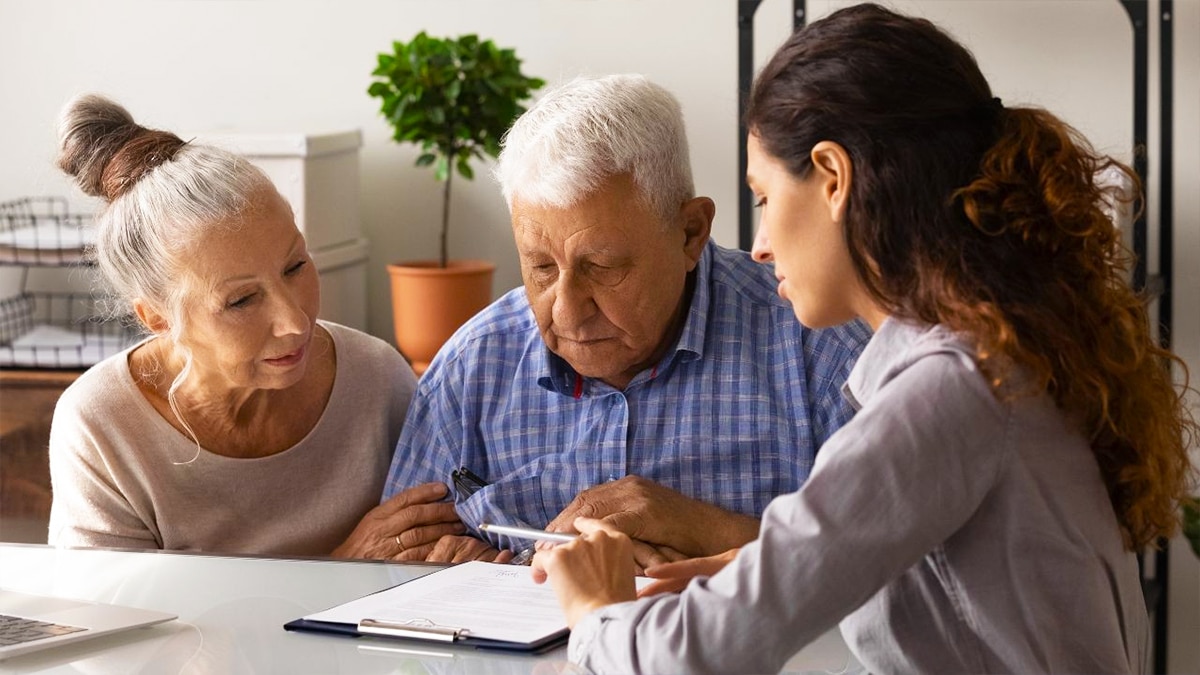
<point>945,529</point>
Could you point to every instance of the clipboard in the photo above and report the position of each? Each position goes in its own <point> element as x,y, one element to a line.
<point>475,604</point>
<point>547,644</point>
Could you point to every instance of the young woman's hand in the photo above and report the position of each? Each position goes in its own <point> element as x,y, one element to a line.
<point>674,576</point>
<point>593,571</point>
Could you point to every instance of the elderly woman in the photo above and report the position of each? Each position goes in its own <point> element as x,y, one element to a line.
<point>242,424</point>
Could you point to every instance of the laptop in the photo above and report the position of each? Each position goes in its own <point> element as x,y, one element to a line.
<point>31,623</point>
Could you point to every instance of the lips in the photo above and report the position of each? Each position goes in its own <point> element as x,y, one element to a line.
<point>289,359</point>
<point>582,341</point>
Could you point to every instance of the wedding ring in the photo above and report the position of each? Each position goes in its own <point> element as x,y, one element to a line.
<point>398,544</point>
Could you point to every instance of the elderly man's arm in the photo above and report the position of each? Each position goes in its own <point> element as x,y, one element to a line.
<point>417,502</point>
<point>667,524</point>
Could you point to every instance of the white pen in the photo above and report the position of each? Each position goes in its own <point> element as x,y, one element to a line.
<point>528,533</point>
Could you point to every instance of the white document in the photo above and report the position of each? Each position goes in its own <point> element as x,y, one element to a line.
<point>489,600</point>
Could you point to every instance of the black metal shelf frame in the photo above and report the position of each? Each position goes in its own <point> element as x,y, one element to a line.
<point>1157,285</point>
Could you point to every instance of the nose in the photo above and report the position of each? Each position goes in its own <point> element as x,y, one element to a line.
<point>573,301</point>
<point>288,315</point>
<point>761,251</point>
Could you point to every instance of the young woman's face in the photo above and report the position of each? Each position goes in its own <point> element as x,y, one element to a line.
<point>801,232</point>
<point>251,315</point>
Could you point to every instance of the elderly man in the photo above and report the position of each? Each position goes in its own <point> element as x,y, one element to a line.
<point>643,374</point>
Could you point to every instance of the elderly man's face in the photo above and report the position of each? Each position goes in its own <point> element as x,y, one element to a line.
<point>606,277</point>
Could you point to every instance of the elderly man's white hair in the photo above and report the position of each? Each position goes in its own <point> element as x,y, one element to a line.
<point>589,129</point>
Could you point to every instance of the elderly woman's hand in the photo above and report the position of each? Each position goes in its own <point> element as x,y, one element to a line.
<point>405,527</point>
<point>593,571</point>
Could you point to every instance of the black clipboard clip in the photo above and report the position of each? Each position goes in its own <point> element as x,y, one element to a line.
<point>421,629</point>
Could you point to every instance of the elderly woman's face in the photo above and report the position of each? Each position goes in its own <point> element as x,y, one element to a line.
<point>606,279</point>
<point>254,300</point>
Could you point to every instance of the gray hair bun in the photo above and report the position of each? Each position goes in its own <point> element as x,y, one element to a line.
<point>105,150</point>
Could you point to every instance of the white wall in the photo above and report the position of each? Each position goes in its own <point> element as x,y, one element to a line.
<point>304,65</point>
<point>265,65</point>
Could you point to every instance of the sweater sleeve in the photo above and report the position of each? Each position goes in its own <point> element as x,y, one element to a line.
<point>88,506</point>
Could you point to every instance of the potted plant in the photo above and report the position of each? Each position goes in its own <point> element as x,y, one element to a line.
<point>455,97</point>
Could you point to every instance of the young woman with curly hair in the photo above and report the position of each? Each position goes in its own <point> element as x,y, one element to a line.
<point>1018,436</point>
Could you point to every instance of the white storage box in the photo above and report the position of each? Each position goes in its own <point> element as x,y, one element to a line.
<point>343,270</point>
<point>316,173</point>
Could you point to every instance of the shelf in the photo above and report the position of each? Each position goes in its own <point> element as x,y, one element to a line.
<point>59,330</point>
<point>42,232</point>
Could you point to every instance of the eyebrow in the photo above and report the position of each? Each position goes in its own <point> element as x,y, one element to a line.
<point>296,244</point>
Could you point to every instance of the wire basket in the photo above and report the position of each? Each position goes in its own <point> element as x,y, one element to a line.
<point>42,231</point>
<point>59,330</point>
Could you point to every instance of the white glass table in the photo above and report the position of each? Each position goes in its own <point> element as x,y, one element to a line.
<point>232,610</point>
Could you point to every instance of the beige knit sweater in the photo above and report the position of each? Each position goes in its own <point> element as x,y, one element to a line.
<point>117,480</point>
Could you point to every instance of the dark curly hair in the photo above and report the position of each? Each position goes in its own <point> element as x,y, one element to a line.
<point>990,221</point>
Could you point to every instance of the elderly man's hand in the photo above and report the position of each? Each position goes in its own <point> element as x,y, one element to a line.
<point>461,548</point>
<point>405,527</point>
<point>660,517</point>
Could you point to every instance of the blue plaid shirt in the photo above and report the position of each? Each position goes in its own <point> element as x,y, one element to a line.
<point>732,416</point>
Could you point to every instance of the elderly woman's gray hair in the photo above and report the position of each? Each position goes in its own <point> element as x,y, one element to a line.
<point>163,194</point>
<point>589,129</point>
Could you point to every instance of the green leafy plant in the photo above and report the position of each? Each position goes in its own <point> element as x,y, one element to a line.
<point>1191,523</point>
<point>455,97</point>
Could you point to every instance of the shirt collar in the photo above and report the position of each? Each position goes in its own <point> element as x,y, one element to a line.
<point>893,348</point>
<point>554,374</point>
<point>695,326</point>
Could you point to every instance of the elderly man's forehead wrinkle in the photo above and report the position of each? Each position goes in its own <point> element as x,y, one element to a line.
<point>591,236</point>
<point>584,237</point>
<point>531,233</point>
<point>530,226</point>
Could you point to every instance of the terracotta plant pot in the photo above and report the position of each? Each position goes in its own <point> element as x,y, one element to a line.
<point>430,302</point>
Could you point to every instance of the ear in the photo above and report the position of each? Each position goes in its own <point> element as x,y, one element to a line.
<point>697,216</point>
<point>833,168</point>
<point>153,321</point>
